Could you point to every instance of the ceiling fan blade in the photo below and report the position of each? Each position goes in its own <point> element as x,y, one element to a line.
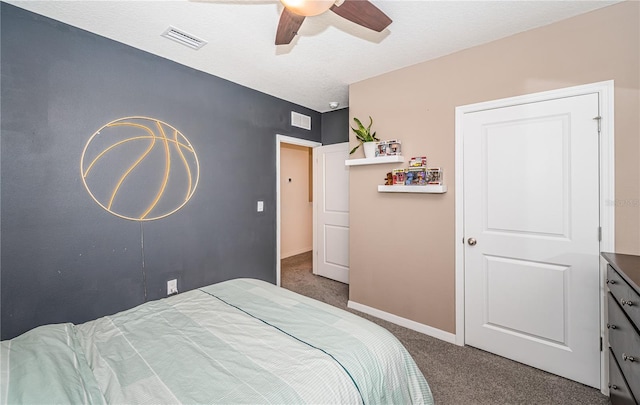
<point>364,13</point>
<point>288,27</point>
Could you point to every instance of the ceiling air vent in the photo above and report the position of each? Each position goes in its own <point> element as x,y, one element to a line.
<point>300,120</point>
<point>184,38</point>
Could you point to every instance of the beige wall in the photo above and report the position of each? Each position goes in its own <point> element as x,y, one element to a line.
<point>296,224</point>
<point>405,263</point>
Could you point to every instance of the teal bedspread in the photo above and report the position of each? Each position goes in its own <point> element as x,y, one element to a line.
<point>239,341</point>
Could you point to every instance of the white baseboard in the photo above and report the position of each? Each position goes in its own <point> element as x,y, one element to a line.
<point>407,323</point>
<point>284,255</point>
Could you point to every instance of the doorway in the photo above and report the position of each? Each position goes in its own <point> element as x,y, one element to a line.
<point>296,200</point>
<point>527,274</point>
<point>280,140</point>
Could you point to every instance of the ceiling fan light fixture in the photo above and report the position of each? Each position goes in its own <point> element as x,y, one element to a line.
<point>308,8</point>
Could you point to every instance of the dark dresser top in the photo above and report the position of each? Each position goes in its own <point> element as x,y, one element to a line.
<point>628,266</point>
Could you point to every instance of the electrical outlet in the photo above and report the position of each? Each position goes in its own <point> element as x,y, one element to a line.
<point>172,287</point>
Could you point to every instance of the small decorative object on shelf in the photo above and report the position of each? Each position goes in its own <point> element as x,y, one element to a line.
<point>388,181</point>
<point>416,176</point>
<point>413,176</point>
<point>418,161</point>
<point>398,176</point>
<point>435,176</point>
<point>394,148</point>
<point>389,148</point>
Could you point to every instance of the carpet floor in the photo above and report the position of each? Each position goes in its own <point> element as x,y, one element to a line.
<point>457,375</point>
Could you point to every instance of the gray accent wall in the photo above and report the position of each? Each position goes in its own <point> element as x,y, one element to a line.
<point>66,259</point>
<point>335,126</point>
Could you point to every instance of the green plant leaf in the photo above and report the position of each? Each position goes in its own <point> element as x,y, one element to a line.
<point>360,126</point>
<point>354,149</point>
<point>364,134</point>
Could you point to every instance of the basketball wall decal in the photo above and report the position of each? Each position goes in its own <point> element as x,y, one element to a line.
<point>139,168</point>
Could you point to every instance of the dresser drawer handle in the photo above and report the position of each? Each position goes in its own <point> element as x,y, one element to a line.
<point>610,326</point>
<point>626,302</point>
<point>628,358</point>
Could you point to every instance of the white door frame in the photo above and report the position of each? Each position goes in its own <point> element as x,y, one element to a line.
<point>280,139</point>
<point>607,176</point>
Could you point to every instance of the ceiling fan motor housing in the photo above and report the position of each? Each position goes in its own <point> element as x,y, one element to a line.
<point>308,8</point>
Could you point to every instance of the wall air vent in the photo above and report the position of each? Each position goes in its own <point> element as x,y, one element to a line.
<point>300,120</point>
<point>184,38</point>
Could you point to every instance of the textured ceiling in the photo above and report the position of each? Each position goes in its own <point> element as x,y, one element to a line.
<point>328,54</point>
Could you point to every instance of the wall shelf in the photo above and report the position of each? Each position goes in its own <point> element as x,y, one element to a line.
<point>374,161</point>
<point>398,188</point>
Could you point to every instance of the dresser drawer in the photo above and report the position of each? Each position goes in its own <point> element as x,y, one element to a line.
<point>627,297</point>
<point>625,345</point>
<point>619,391</point>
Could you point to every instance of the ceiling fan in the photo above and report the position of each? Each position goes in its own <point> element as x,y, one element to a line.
<point>361,12</point>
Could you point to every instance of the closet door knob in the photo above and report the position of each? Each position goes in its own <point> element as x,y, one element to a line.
<point>609,326</point>
<point>472,242</point>
<point>628,358</point>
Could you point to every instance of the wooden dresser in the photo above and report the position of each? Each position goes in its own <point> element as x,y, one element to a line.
<point>623,324</point>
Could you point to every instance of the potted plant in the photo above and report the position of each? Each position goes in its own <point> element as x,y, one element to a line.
<point>366,138</point>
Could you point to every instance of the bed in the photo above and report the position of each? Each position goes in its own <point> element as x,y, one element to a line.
<point>239,341</point>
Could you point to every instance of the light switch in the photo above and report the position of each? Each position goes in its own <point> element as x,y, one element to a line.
<point>260,206</point>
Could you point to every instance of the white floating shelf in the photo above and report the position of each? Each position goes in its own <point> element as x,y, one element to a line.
<point>374,161</point>
<point>433,189</point>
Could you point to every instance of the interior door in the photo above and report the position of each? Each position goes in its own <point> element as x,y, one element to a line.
<point>531,224</point>
<point>331,211</point>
